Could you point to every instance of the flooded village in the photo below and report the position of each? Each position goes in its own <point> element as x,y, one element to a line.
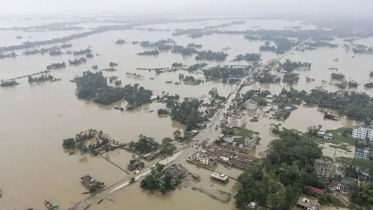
<point>213,113</point>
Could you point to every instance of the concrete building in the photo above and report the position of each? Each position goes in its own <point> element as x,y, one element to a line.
<point>219,177</point>
<point>325,168</point>
<point>236,120</point>
<point>305,203</point>
<point>362,132</point>
<point>251,104</point>
<point>364,153</point>
<point>250,143</point>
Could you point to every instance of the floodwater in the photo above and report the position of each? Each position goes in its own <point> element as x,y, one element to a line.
<point>36,118</point>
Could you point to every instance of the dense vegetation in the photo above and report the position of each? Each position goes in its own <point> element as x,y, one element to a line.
<point>144,145</point>
<point>80,142</point>
<point>56,66</point>
<point>210,56</point>
<point>152,181</point>
<point>196,66</point>
<point>248,57</point>
<point>183,50</point>
<point>94,86</point>
<point>290,66</point>
<point>337,76</point>
<point>355,105</point>
<point>266,77</point>
<point>149,52</point>
<point>290,78</point>
<point>187,112</point>
<point>227,74</point>
<point>8,83</point>
<point>286,170</point>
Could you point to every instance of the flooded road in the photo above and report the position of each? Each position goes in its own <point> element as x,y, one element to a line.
<point>36,118</point>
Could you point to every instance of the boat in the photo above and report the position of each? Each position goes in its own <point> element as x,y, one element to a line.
<point>49,205</point>
<point>336,59</point>
<point>19,37</point>
<point>151,111</point>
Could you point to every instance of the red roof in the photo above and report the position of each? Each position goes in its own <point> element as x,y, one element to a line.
<point>317,190</point>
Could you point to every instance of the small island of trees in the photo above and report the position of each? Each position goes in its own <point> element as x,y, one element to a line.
<point>94,86</point>
<point>337,76</point>
<point>120,41</point>
<point>290,66</point>
<point>290,78</point>
<point>83,142</point>
<point>149,52</point>
<point>56,66</point>
<point>228,74</point>
<point>210,56</point>
<point>8,83</point>
<point>248,57</point>
<point>78,61</point>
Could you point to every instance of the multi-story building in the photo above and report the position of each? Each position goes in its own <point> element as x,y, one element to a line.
<point>251,104</point>
<point>362,132</point>
<point>236,120</point>
<point>325,168</point>
<point>364,153</point>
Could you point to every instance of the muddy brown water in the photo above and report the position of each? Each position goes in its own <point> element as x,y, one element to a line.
<point>35,118</point>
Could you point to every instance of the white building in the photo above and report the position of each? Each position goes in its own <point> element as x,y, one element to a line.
<point>203,158</point>
<point>362,132</point>
<point>236,121</point>
<point>251,104</point>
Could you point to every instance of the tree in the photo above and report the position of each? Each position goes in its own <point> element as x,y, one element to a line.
<point>177,135</point>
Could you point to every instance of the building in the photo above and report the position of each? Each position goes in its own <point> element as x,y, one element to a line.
<point>250,143</point>
<point>236,120</point>
<point>320,134</point>
<point>236,149</point>
<point>88,181</point>
<point>251,104</point>
<point>364,153</point>
<point>219,152</point>
<point>205,159</point>
<point>238,164</point>
<point>228,139</point>
<point>174,172</point>
<point>305,203</point>
<point>328,136</point>
<point>362,132</point>
<point>219,177</point>
<point>325,168</point>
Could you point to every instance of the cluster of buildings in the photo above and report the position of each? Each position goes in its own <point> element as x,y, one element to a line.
<point>282,113</point>
<point>325,168</point>
<point>232,155</point>
<point>251,104</point>
<point>323,134</point>
<point>366,153</point>
<point>174,172</point>
<point>362,132</point>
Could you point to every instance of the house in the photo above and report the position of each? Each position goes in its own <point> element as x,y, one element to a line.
<point>305,203</point>
<point>88,181</point>
<point>228,139</point>
<point>328,136</point>
<point>151,156</point>
<point>236,149</point>
<point>238,164</point>
<point>325,168</point>
<point>364,153</point>
<point>219,152</point>
<point>251,104</point>
<point>175,173</point>
<point>320,134</point>
<point>219,177</point>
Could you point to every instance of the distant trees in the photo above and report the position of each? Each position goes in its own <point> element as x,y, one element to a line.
<point>187,113</point>
<point>228,74</point>
<point>337,76</point>
<point>120,41</point>
<point>248,57</point>
<point>162,111</point>
<point>290,78</point>
<point>149,52</point>
<point>209,55</point>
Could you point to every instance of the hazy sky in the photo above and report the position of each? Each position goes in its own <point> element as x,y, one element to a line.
<point>145,7</point>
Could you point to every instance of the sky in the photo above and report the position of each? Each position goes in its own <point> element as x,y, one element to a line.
<point>185,7</point>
